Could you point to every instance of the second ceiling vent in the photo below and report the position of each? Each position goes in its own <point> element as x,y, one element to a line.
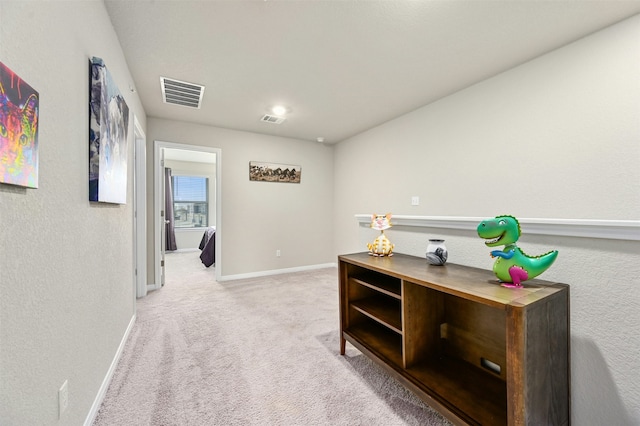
<point>181,93</point>
<point>274,119</point>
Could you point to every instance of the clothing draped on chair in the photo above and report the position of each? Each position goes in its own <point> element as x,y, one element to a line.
<point>170,235</point>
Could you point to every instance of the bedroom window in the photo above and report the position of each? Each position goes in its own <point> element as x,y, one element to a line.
<point>190,201</point>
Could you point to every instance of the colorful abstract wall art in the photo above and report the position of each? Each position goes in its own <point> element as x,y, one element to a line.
<point>18,130</point>
<point>108,143</point>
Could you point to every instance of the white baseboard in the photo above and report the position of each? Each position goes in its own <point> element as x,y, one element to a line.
<point>276,272</point>
<point>91,417</point>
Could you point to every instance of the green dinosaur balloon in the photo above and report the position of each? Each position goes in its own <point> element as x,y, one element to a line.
<point>512,266</point>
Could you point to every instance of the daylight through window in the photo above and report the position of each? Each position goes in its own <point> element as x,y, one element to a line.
<point>190,201</point>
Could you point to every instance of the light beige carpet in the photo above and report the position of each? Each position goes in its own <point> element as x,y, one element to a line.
<point>261,351</point>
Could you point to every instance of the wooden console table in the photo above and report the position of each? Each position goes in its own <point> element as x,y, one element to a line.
<point>477,352</point>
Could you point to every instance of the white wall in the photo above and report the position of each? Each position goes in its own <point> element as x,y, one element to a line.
<point>558,137</point>
<point>66,276</point>
<point>189,239</point>
<point>259,218</point>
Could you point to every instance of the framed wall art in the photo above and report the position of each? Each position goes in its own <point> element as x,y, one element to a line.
<point>273,172</point>
<point>19,105</point>
<point>108,143</point>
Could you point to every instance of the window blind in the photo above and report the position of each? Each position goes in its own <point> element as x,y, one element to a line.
<point>189,188</point>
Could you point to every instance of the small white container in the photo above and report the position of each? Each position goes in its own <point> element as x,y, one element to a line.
<point>437,252</point>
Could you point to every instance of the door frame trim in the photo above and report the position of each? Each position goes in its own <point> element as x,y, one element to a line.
<point>140,211</point>
<point>158,175</point>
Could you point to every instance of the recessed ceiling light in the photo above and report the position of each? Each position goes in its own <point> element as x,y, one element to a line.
<point>279,110</point>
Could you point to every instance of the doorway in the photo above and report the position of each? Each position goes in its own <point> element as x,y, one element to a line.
<point>185,152</point>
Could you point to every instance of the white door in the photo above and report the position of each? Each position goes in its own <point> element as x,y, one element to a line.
<point>158,217</point>
<point>163,218</point>
<point>140,210</point>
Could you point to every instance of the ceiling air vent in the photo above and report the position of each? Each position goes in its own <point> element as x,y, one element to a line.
<point>272,119</point>
<point>181,93</point>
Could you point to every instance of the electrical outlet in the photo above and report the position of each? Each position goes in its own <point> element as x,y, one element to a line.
<point>278,253</point>
<point>63,398</point>
<point>415,200</point>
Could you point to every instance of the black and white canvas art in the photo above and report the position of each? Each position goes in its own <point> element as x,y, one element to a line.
<point>108,146</point>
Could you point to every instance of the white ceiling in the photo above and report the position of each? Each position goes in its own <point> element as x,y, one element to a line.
<point>341,67</point>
